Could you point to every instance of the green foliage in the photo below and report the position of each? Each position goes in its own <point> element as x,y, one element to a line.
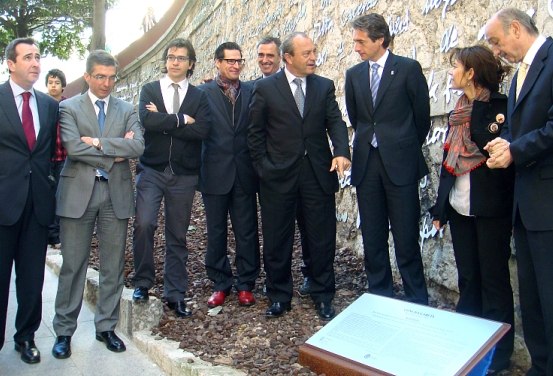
<point>59,22</point>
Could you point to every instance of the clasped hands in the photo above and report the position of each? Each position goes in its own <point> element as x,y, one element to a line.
<point>500,153</point>
<point>340,164</point>
<point>88,141</point>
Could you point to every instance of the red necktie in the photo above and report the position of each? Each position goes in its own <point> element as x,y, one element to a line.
<point>27,121</point>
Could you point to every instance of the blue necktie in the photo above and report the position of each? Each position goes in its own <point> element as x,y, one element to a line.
<point>101,120</point>
<point>375,82</point>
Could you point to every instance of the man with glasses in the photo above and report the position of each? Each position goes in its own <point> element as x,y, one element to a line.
<point>228,181</point>
<point>175,116</point>
<point>292,114</point>
<point>95,194</point>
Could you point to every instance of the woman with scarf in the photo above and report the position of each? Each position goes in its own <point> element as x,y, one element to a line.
<point>475,200</point>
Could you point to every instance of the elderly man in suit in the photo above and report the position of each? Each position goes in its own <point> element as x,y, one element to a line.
<point>292,114</point>
<point>388,106</point>
<point>100,134</point>
<point>27,139</point>
<point>175,116</point>
<point>527,142</point>
<point>228,181</point>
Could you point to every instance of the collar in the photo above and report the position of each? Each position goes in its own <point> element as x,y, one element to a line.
<point>382,61</point>
<point>263,75</point>
<point>166,83</point>
<point>94,98</point>
<point>18,90</point>
<point>290,77</point>
<point>533,50</point>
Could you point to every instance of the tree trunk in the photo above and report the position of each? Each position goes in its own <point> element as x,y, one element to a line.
<point>98,41</point>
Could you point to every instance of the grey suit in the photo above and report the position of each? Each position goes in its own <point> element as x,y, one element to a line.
<point>82,199</point>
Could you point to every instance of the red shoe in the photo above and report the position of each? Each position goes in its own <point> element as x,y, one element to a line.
<point>217,299</point>
<point>245,298</point>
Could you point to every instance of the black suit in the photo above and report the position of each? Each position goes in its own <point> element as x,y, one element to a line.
<point>387,177</point>
<point>292,157</point>
<point>529,128</point>
<point>481,241</point>
<point>27,204</point>
<point>229,185</point>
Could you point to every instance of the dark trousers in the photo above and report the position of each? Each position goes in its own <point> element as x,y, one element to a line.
<point>54,229</point>
<point>535,278</point>
<point>242,208</point>
<point>482,251</point>
<point>24,243</point>
<point>305,255</point>
<point>381,200</point>
<point>178,190</point>
<point>278,212</point>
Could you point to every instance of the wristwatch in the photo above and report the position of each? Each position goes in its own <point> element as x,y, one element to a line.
<point>96,143</point>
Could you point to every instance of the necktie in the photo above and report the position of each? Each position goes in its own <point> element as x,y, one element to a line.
<point>299,97</point>
<point>522,70</point>
<point>101,120</point>
<point>101,115</point>
<point>375,83</point>
<point>27,120</point>
<point>176,99</point>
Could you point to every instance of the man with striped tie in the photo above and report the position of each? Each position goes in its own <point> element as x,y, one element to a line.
<point>388,106</point>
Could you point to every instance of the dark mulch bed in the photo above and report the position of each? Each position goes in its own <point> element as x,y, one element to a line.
<point>242,337</point>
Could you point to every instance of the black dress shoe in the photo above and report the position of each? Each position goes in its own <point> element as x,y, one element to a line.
<point>28,350</point>
<point>277,309</point>
<point>140,294</point>
<point>305,289</point>
<point>325,311</point>
<point>182,310</point>
<point>113,343</point>
<point>62,347</point>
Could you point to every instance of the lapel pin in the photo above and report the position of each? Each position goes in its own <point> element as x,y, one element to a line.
<point>500,118</point>
<point>392,73</point>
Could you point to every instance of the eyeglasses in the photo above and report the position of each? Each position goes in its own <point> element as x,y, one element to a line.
<point>234,61</point>
<point>181,59</point>
<point>101,77</point>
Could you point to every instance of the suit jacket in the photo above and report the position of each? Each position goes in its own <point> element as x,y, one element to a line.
<point>77,119</point>
<point>529,128</point>
<point>225,153</point>
<point>491,190</point>
<point>279,137</point>
<point>165,141</point>
<point>400,118</point>
<point>22,169</point>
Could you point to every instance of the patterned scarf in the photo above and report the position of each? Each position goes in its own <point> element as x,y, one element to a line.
<point>230,88</point>
<point>463,155</point>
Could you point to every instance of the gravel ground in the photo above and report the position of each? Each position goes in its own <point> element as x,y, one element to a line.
<point>242,337</point>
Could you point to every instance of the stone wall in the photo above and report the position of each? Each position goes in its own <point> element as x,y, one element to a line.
<point>424,29</point>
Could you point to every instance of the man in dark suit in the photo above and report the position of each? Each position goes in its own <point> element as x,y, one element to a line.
<point>527,141</point>
<point>292,113</point>
<point>175,116</point>
<point>27,138</point>
<point>388,106</point>
<point>100,134</point>
<point>268,56</point>
<point>228,181</point>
